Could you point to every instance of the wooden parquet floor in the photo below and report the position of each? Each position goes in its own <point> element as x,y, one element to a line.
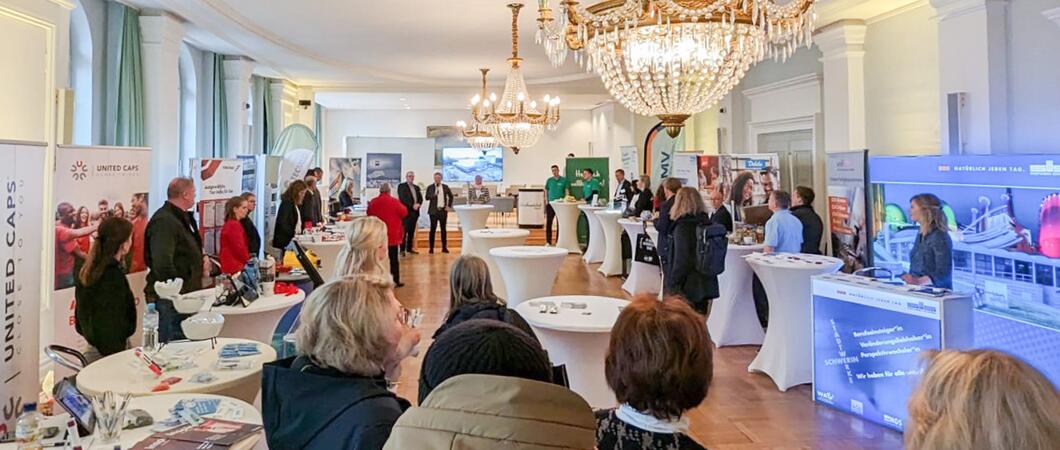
<point>743,411</point>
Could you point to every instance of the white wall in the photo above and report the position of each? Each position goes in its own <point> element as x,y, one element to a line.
<point>1033,77</point>
<point>530,166</point>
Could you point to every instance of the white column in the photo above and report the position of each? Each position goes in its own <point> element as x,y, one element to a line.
<point>842,46</point>
<point>973,59</point>
<point>161,36</point>
<point>237,95</point>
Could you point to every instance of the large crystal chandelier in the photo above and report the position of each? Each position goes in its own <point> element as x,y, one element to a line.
<point>476,135</point>
<point>513,121</point>
<point>673,58</point>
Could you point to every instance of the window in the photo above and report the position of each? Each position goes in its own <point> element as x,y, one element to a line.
<point>81,75</point>
<point>189,98</point>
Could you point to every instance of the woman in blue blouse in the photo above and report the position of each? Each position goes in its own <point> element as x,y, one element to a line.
<point>931,261</point>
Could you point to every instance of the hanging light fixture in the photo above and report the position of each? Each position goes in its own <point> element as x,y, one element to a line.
<point>477,136</point>
<point>673,58</point>
<point>514,120</point>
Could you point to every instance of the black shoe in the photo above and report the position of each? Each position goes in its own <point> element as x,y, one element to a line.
<point>399,284</point>
<point>403,254</point>
<point>445,250</point>
<point>413,252</point>
<point>431,251</point>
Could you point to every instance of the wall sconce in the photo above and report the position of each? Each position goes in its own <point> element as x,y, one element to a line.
<point>305,104</point>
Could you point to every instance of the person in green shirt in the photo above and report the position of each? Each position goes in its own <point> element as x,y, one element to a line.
<point>556,189</point>
<point>591,185</point>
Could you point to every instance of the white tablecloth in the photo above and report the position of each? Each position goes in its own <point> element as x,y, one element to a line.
<point>482,241</point>
<point>786,353</point>
<point>122,372</point>
<point>654,235</point>
<point>612,233</point>
<point>733,320</point>
<point>594,253</point>
<point>471,217</point>
<point>578,340</point>
<point>328,252</point>
<point>528,272</point>
<point>642,277</point>
<point>256,322</point>
<point>567,215</point>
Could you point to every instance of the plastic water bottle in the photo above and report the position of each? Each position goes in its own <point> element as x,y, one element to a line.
<point>27,428</point>
<point>150,329</point>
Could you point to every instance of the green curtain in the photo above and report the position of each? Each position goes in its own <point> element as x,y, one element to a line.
<point>220,108</point>
<point>129,114</point>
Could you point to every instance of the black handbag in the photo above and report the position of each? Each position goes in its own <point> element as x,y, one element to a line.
<point>646,252</point>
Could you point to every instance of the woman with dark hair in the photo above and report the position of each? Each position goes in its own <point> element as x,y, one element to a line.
<point>118,211</point>
<point>83,220</point>
<point>471,297</point>
<point>288,217</point>
<point>234,251</point>
<point>743,189</point>
<point>931,260</point>
<point>105,312</point>
<point>659,366</point>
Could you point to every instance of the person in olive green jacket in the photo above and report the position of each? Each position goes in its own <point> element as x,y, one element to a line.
<point>485,385</point>
<point>556,190</point>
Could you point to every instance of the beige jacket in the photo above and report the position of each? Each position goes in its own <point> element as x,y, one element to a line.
<point>487,412</point>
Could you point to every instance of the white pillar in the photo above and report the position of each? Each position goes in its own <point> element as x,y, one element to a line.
<point>973,59</point>
<point>842,46</point>
<point>237,95</point>
<point>161,36</point>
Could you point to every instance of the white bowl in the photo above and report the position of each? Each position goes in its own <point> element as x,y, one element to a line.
<point>202,326</point>
<point>189,303</point>
<point>169,289</point>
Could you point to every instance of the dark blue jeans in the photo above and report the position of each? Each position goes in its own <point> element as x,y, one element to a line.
<point>169,321</point>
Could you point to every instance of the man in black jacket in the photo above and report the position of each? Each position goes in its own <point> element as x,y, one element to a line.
<point>812,226</point>
<point>721,213</point>
<point>438,209</point>
<point>173,249</point>
<point>410,196</point>
<point>623,188</point>
<point>251,230</point>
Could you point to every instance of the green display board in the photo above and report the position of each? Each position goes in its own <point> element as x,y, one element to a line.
<point>601,172</point>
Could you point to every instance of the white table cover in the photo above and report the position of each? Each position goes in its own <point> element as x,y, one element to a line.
<point>328,252</point>
<point>578,338</point>
<point>733,320</point>
<point>567,214</point>
<point>121,372</point>
<point>482,241</point>
<point>612,233</point>
<point>594,253</point>
<point>528,272</point>
<point>786,353</point>
<point>471,217</point>
<point>256,322</point>
<point>642,277</point>
<point>654,235</point>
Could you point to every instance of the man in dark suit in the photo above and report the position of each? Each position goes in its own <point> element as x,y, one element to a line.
<point>410,196</point>
<point>721,213</point>
<point>623,188</point>
<point>438,204</point>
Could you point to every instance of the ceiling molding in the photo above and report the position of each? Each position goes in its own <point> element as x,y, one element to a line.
<point>810,79</point>
<point>866,10</point>
<point>70,6</point>
<point>897,11</point>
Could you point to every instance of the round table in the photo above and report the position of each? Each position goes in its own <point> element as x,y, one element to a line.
<point>612,232</point>
<point>528,272</point>
<point>327,251</point>
<point>594,252</point>
<point>256,322</point>
<point>786,353</point>
<point>578,340</point>
<point>642,277</point>
<point>482,241</point>
<point>123,373</point>
<point>733,320</point>
<point>567,214</point>
<point>158,406</point>
<point>471,217</point>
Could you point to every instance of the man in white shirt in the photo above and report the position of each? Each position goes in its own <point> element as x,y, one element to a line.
<point>439,200</point>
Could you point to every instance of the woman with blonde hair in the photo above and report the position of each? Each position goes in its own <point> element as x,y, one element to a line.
<point>333,394</point>
<point>688,214</point>
<point>931,260</point>
<point>471,297</point>
<point>365,250</point>
<point>982,400</point>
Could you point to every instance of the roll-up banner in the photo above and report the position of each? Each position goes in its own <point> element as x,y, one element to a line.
<point>848,208</point>
<point>91,185</point>
<point>21,230</point>
<point>216,181</point>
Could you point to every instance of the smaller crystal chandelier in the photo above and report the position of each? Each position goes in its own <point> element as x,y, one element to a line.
<point>512,121</point>
<point>475,135</point>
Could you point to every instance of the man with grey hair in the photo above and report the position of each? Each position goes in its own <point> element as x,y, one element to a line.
<point>173,249</point>
<point>392,213</point>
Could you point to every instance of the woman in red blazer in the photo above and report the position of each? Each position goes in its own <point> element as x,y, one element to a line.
<point>234,250</point>
<point>391,212</point>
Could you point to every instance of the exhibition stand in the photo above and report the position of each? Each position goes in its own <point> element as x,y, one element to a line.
<point>612,232</point>
<point>643,277</point>
<point>257,321</point>
<point>567,214</point>
<point>576,330</point>
<point>595,250</point>
<point>786,353</point>
<point>732,319</point>
<point>482,241</point>
<point>471,217</point>
<point>528,272</point>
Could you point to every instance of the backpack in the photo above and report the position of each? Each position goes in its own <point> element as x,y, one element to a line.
<point>711,245</point>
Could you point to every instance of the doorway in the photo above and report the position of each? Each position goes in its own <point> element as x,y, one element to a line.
<point>795,151</point>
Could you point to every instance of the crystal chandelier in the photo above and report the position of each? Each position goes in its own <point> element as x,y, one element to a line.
<point>673,58</point>
<point>515,123</point>
<point>475,135</point>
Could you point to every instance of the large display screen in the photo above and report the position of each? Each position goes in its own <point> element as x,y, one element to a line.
<point>1004,216</point>
<point>462,164</point>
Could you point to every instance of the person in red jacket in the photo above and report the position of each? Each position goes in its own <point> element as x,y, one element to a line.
<point>234,250</point>
<point>391,212</point>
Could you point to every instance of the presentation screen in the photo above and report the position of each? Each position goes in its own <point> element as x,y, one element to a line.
<point>1004,218</point>
<point>462,164</point>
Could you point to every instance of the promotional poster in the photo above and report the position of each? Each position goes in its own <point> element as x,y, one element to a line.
<point>749,179</point>
<point>21,258</point>
<point>659,150</point>
<point>382,168</point>
<point>686,168</point>
<point>217,181</point>
<point>631,161</point>
<point>91,185</point>
<point>344,174</point>
<point>709,173</point>
<point>847,208</point>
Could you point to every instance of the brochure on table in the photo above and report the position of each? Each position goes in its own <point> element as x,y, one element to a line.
<point>868,338</point>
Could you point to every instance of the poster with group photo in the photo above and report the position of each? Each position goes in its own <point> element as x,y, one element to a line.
<point>749,179</point>
<point>20,254</point>
<point>344,176</point>
<point>93,184</point>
